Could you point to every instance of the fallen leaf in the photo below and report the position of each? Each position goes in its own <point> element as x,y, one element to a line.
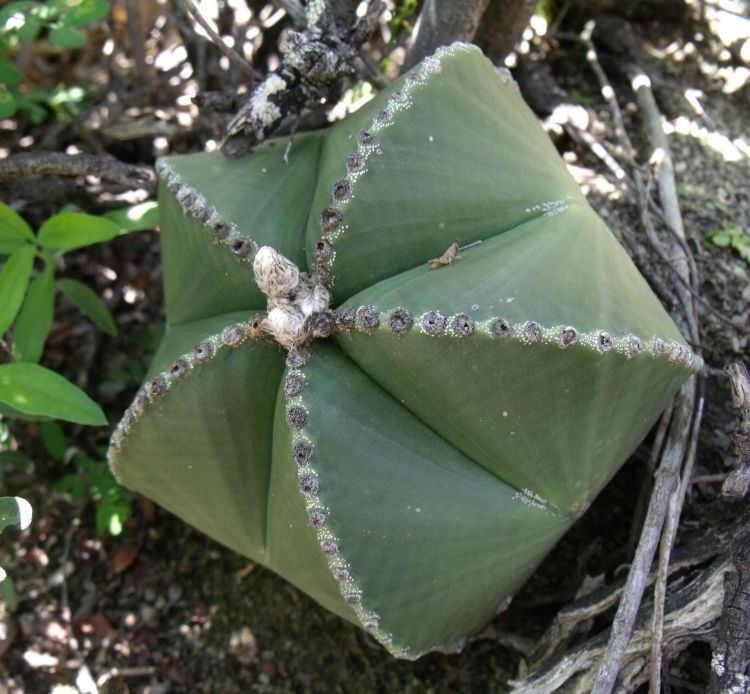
<point>123,559</point>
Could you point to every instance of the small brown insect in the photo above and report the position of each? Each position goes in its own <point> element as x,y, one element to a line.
<point>451,254</point>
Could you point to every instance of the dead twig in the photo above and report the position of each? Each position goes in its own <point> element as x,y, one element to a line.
<point>667,477</point>
<point>136,40</point>
<point>730,664</point>
<point>295,10</point>
<point>669,534</point>
<point>55,163</point>
<point>647,486</point>
<point>684,267</point>
<point>568,621</point>
<point>694,602</point>
<point>737,482</point>
<point>667,194</point>
<point>315,65</point>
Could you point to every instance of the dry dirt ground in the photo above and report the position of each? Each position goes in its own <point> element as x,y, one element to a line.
<point>161,608</point>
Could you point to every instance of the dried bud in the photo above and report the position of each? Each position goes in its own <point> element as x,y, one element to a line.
<point>276,275</point>
<point>287,325</point>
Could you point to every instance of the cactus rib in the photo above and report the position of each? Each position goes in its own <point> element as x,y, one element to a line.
<point>231,336</point>
<point>192,203</point>
<point>319,516</point>
<point>333,219</point>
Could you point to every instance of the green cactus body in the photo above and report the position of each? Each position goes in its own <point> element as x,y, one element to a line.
<point>412,470</point>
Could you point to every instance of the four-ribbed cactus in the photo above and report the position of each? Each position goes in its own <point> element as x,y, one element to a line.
<point>403,443</point>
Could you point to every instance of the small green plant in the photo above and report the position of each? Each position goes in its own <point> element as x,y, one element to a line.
<point>734,237</point>
<point>93,481</point>
<point>59,22</point>
<point>28,286</point>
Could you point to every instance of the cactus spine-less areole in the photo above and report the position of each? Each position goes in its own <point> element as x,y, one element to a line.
<point>403,443</point>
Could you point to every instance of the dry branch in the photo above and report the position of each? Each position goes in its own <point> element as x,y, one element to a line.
<point>58,164</point>
<point>738,481</point>
<point>693,615</point>
<point>730,665</point>
<point>667,477</point>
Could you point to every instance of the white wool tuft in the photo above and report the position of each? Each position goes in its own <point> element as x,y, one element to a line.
<point>286,324</point>
<point>276,275</point>
<point>312,298</point>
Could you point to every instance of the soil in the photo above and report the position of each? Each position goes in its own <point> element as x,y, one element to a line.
<point>161,608</point>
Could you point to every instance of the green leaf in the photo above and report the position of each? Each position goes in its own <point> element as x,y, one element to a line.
<point>14,279</point>
<point>35,390</point>
<point>17,20</point>
<point>89,303</point>
<point>8,104</point>
<point>69,230</point>
<point>14,510</point>
<point>721,239</point>
<point>85,12</point>
<point>54,439</point>
<point>74,485</point>
<point>13,230</point>
<point>67,38</point>
<point>14,10</point>
<point>14,458</point>
<point>30,28</point>
<point>9,73</point>
<point>9,593</point>
<point>35,318</point>
<point>140,217</point>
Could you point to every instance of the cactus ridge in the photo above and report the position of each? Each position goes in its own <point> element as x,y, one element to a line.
<point>433,323</point>
<point>332,218</point>
<point>231,336</point>
<point>398,321</point>
<point>321,517</point>
<point>302,456</point>
<point>192,203</point>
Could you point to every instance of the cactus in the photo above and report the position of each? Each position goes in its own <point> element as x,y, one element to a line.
<point>403,441</point>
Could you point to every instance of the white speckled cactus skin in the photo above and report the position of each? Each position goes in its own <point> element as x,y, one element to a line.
<point>403,443</point>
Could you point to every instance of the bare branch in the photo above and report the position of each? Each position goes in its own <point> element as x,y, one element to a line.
<point>56,163</point>
<point>666,483</point>
<point>737,482</point>
<point>730,665</point>
<point>694,608</point>
<point>674,510</point>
